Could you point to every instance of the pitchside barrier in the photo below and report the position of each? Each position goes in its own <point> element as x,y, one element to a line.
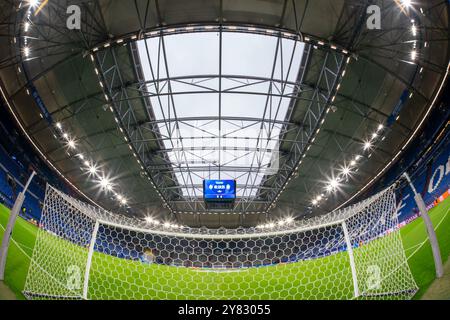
<point>84,252</point>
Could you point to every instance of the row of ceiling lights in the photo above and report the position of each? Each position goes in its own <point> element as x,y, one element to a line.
<point>89,166</point>
<point>334,183</point>
<point>124,135</point>
<point>316,133</point>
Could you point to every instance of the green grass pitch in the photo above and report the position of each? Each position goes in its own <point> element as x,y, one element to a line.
<point>113,278</point>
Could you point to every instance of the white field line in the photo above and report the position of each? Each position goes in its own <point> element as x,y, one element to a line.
<point>420,245</point>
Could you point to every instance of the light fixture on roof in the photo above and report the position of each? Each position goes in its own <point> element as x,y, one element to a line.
<point>346,171</point>
<point>93,169</point>
<point>334,183</point>
<point>414,30</point>
<point>26,51</point>
<point>71,144</point>
<point>380,127</point>
<point>406,3</point>
<point>149,220</point>
<point>59,125</point>
<point>367,145</point>
<point>104,182</point>
<point>413,55</point>
<point>33,3</point>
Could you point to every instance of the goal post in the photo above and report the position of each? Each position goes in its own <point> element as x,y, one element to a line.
<point>84,252</point>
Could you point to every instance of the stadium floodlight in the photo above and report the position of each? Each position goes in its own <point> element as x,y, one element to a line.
<point>374,135</point>
<point>71,144</point>
<point>92,169</point>
<point>33,3</point>
<point>59,125</point>
<point>315,202</point>
<point>334,183</point>
<point>66,136</point>
<point>26,51</point>
<point>289,220</point>
<point>380,127</point>
<point>406,3</point>
<point>353,163</point>
<point>149,220</point>
<point>346,171</point>
<point>413,55</point>
<point>367,145</point>
<point>80,155</point>
<point>104,182</point>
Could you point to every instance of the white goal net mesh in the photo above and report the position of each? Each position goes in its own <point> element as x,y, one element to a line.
<point>83,252</point>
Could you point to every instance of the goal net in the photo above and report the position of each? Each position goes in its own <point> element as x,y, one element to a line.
<point>84,252</point>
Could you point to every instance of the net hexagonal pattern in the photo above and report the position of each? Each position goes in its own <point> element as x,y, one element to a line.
<point>83,252</point>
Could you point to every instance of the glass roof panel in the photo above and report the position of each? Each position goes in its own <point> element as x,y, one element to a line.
<point>218,111</point>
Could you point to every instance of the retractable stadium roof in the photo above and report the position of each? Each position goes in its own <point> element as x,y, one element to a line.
<point>298,101</point>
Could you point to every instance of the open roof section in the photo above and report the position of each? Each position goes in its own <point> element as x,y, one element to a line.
<point>220,99</point>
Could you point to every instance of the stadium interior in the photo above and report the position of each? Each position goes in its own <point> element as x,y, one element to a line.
<point>299,103</point>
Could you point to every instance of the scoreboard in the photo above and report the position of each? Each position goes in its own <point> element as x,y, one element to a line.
<point>219,190</point>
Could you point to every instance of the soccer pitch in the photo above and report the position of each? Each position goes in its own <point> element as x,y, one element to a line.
<point>116,276</point>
